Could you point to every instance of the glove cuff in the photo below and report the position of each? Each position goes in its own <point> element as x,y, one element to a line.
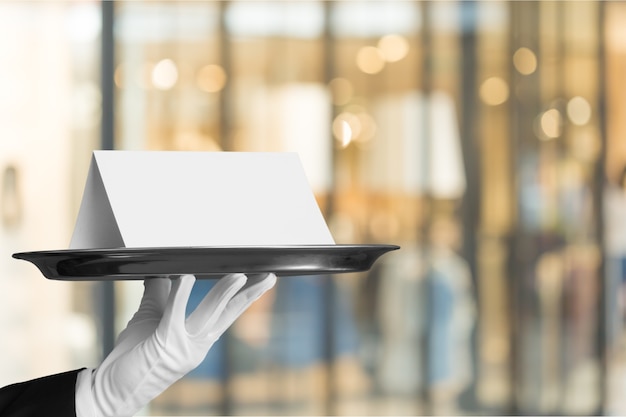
<point>84,396</point>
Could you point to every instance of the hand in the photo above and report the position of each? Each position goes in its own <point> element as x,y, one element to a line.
<point>160,345</point>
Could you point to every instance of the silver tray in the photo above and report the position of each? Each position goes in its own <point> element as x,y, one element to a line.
<point>204,262</point>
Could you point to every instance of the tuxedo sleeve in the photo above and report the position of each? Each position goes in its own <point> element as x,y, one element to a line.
<point>52,395</point>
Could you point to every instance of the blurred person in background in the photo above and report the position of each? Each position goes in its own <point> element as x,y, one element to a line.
<point>426,295</point>
<point>451,316</point>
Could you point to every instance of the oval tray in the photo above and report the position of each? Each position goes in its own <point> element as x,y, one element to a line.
<point>204,262</point>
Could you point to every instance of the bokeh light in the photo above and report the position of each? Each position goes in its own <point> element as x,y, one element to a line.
<point>354,125</point>
<point>494,91</point>
<point>165,74</point>
<point>211,78</point>
<point>550,122</point>
<point>579,111</point>
<point>393,47</point>
<point>345,127</point>
<point>525,61</point>
<point>370,60</point>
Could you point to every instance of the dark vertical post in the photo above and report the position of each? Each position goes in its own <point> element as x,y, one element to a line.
<point>598,203</point>
<point>514,241</point>
<point>470,145</point>
<point>106,290</point>
<point>426,132</point>
<point>329,288</point>
<point>470,140</point>
<point>227,405</point>
<point>517,243</point>
<point>107,68</point>
<point>525,31</point>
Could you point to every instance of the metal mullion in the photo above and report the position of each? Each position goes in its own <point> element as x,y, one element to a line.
<point>104,292</point>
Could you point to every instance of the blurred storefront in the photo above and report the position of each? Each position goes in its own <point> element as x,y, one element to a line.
<point>485,138</point>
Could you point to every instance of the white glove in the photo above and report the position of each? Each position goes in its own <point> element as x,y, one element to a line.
<point>160,345</point>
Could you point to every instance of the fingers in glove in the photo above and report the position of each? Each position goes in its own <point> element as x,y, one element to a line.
<point>203,318</point>
<point>177,301</point>
<point>248,295</point>
<point>253,279</point>
<point>149,313</point>
<point>256,286</point>
<point>155,294</point>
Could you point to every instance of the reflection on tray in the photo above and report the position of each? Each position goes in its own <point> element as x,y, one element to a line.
<point>207,262</point>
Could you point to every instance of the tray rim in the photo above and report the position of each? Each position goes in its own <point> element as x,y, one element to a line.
<point>48,261</point>
<point>124,250</point>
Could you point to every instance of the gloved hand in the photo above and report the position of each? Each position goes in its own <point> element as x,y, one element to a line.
<point>160,345</point>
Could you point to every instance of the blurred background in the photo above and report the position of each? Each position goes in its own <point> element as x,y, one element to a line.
<point>487,138</point>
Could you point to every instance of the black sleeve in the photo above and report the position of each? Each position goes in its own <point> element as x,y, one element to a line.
<point>52,395</point>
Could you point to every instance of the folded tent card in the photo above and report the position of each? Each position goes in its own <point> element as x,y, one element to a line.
<point>172,199</point>
<point>208,213</point>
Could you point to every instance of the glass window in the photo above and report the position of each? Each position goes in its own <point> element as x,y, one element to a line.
<point>485,138</point>
<point>49,123</point>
